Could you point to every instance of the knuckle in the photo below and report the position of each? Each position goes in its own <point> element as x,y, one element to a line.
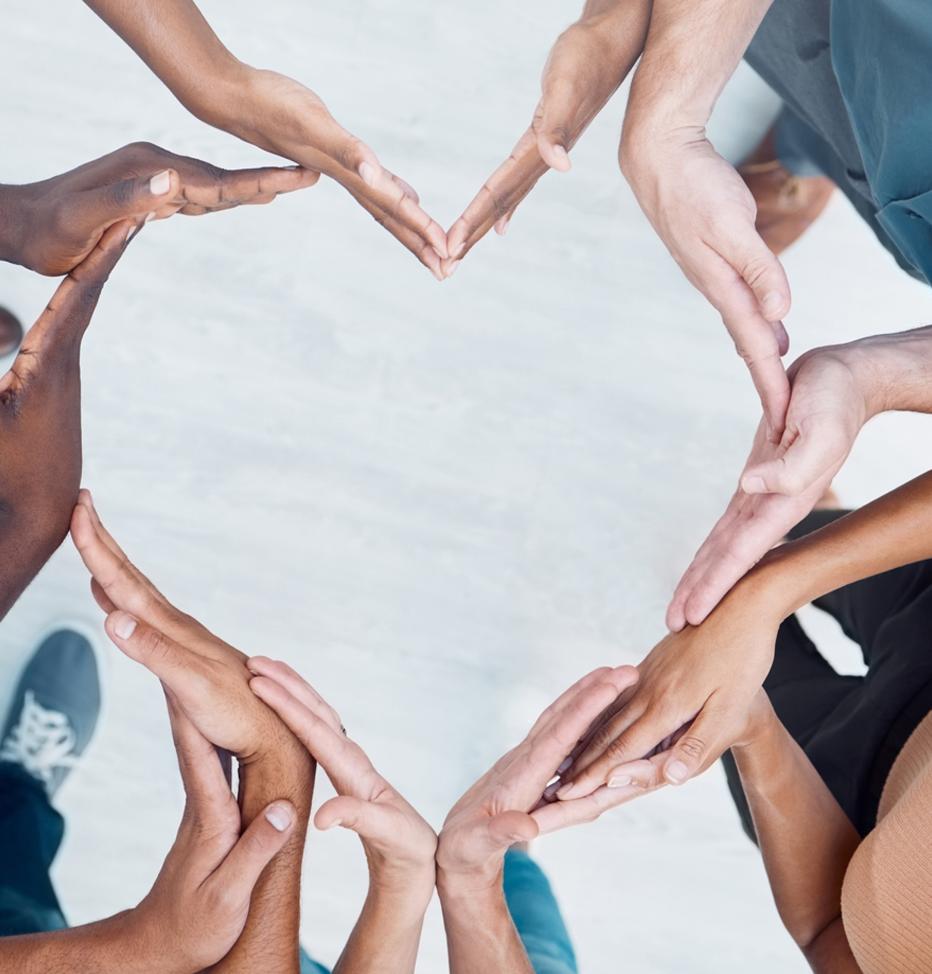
<point>121,193</point>
<point>693,747</point>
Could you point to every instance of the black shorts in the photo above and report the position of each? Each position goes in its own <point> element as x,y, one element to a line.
<point>853,727</point>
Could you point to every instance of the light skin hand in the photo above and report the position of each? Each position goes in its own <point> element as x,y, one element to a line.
<point>206,675</point>
<point>585,68</point>
<point>399,845</point>
<point>835,391</point>
<point>695,200</point>
<point>40,422</point>
<point>52,225</point>
<point>271,111</point>
<point>504,806</point>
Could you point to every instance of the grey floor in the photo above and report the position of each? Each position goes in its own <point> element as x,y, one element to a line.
<point>441,503</point>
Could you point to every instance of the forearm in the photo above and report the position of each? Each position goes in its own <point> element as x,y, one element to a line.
<point>180,47</point>
<point>269,942</point>
<point>385,939</point>
<point>890,532</point>
<point>693,47</point>
<point>13,223</point>
<point>481,936</point>
<point>112,946</point>
<point>896,370</point>
<point>805,838</point>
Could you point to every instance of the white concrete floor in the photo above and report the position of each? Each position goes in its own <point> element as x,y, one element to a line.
<point>442,503</point>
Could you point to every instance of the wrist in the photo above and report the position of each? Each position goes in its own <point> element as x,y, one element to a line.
<point>894,371</point>
<point>14,219</point>
<point>404,894</point>
<point>136,942</point>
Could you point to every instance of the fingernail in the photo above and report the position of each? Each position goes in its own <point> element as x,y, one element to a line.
<point>676,772</point>
<point>565,766</point>
<point>551,790</point>
<point>125,626</point>
<point>127,230</point>
<point>620,782</point>
<point>279,817</point>
<point>772,302</point>
<point>754,485</point>
<point>160,183</point>
<point>367,173</point>
<point>294,167</point>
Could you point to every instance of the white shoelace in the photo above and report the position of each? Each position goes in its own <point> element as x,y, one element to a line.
<point>41,742</point>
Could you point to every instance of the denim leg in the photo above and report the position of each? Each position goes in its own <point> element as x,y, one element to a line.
<point>537,916</point>
<point>309,966</point>
<point>30,834</point>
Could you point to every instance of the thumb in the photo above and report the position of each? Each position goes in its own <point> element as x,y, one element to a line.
<point>361,817</point>
<point>551,125</point>
<point>510,827</point>
<point>256,848</point>
<point>765,276</point>
<point>701,744</point>
<point>129,199</point>
<point>792,474</point>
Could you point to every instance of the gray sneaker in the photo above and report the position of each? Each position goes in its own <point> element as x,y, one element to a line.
<point>54,710</point>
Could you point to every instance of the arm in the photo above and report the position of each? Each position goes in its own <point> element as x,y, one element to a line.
<point>268,110</point>
<point>700,682</point>
<point>398,843</point>
<point>586,66</point>
<point>835,391</point>
<point>695,200</point>
<point>805,838</point>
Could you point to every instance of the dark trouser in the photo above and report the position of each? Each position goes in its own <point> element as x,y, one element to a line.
<point>30,834</point>
<point>792,53</point>
<point>853,727</point>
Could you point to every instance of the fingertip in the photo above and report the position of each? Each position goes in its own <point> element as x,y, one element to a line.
<point>280,815</point>
<point>775,305</point>
<point>120,625</point>
<point>676,772</point>
<point>753,484</point>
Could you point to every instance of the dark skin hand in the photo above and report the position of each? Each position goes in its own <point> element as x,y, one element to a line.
<point>52,225</point>
<point>40,422</point>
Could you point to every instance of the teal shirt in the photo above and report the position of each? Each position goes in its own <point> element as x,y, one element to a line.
<point>882,55</point>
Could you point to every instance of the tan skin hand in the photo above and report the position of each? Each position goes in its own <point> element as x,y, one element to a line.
<point>690,701</point>
<point>585,68</point>
<point>207,676</point>
<point>830,403</point>
<point>52,225</point>
<point>40,422</point>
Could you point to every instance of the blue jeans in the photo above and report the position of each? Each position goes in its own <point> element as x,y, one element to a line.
<point>31,832</point>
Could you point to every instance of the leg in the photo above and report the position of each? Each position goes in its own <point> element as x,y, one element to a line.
<point>30,834</point>
<point>537,916</point>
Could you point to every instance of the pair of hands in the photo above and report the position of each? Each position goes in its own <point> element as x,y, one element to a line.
<point>259,707</point>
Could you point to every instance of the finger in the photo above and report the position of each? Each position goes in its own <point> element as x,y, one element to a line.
<point>343,761</point>
<point>764,274</point>
<point>100,597</point>
<point>224,189</point>
<point>423,250</point>
<point>630,744</point>
<point>129,199</point>
<point>86,499</point>
<point>297,686</point>
<point>259,844</point>
<point>68,314</point>
<point>805,462</point>
<point>554,816</point>
<point>621,678</point>
<point>498,196</point>
<point>701,744</point>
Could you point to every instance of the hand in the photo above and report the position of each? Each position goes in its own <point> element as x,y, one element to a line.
<point>586,66</point>
<point>692,699</point>
<point>51,226</point>
<point>399,844</point>
<point>40,422</point>
<point>198,907</point>
<point>505,805</point>
<point>280,115</point>
<point>834,392</point>
<point>705,215</point>
<point>206,676</point>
